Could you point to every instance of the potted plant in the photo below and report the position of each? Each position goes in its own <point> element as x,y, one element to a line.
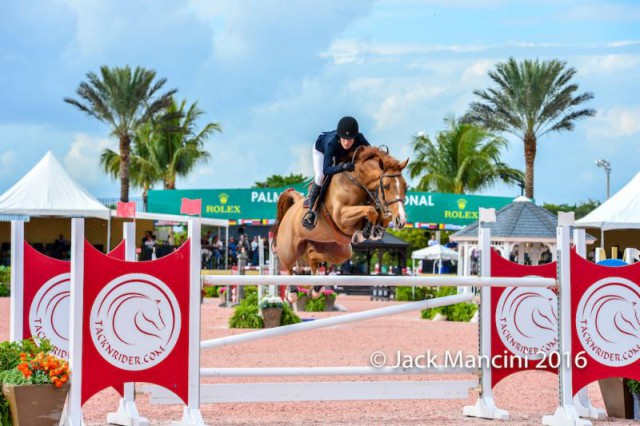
<point>634,388</point>
<point>271,307</point>
<point>329,299</point>
<point>303,298</point>
<point>34,383</point>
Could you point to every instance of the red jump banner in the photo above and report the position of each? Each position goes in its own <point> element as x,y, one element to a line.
<point>605,305</point>
<point>136,322</point>
<point>524,327</point>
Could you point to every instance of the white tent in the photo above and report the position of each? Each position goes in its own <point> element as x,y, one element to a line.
<point>47,190</point>
<point>621,211</point>
<point>436,252</point>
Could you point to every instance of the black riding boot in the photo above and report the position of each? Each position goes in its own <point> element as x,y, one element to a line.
<point>310,218</point>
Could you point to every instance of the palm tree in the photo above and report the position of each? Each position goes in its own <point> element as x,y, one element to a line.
<point>123,99</point>
<point>165,147</point>
<point>279,181</point>
<point>176,144</point>
<point>464,158</point>
<point>532,98</point>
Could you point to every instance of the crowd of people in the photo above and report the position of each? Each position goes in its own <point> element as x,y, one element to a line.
<point>213,251</point>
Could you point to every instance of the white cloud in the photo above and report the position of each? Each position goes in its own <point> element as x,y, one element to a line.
<point>615,122</point>
<point>83,158</point>
<point>302,161</point>
<point>7,162</point>
<point>607,64</point>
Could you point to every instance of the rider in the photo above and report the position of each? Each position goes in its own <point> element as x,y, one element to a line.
<point>329,147</point>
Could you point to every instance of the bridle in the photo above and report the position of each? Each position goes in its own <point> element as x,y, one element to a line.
<point>377,197</point>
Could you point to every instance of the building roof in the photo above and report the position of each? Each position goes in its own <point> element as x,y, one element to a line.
<point>520,220</point>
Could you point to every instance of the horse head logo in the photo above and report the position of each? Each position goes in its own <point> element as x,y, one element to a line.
<point>527,321</point>
<point>608,321</point>
<point>137,317</point>
<point>49,313</point>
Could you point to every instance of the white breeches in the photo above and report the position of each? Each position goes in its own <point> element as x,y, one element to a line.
<point>318,163</point>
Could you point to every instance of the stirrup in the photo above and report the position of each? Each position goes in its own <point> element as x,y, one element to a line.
<point>309,220</point>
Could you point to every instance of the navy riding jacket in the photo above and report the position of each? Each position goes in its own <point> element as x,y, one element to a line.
<point>328,143</point>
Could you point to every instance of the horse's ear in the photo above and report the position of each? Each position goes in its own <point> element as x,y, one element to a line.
<point>404,164</point>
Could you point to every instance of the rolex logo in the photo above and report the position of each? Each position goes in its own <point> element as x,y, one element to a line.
<point>462,203</point>
<point>223,198</point>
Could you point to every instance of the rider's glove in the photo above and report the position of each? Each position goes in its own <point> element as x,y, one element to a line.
<point>348,167</point>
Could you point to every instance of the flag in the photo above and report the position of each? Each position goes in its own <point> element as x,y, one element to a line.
<point>126,209</point>
<point>193,207</point>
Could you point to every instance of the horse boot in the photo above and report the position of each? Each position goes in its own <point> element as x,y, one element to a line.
<point>310,218</point>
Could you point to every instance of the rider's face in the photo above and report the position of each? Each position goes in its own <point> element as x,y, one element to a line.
<point>346,143</point>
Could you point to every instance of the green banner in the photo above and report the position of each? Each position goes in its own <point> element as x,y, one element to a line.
<point>258,206</point>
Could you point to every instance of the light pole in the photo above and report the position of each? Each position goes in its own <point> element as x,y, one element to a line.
<point>607,168</point>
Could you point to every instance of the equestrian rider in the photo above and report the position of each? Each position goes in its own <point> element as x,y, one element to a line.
<point>328,149</point>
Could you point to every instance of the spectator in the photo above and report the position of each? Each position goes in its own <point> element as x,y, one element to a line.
<point>216,248</point>
<point>255,253</point>
<point>451,244</point>
<point>432,241</point>
<point>232,250</point>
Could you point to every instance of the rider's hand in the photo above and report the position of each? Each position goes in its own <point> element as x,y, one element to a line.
<point>348,167</point>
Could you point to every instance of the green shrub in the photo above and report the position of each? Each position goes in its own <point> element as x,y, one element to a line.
<point>210,291</point>
<point>411,294</point>
<point>462,312</point>
<point>5,275</point>
<point>315,305</point>
<point>246,313</point>
<point>4,291</point>
<point>633,386</point>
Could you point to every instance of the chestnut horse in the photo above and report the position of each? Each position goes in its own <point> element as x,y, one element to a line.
<point>357,205</point>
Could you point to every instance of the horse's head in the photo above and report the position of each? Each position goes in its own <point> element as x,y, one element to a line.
<point>382,174</point>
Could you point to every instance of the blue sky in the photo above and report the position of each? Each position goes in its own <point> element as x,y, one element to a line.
<point>275,73</point>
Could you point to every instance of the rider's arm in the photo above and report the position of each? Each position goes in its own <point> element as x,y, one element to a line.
<point>327,168</point>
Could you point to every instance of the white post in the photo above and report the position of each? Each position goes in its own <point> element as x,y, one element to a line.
<point>17,281</point>
<point>566,413</point>
<point>485,406</point>
<point>127,413</point>
<point>192,415</point>
<point>581,400</point>
<point>74,401</point>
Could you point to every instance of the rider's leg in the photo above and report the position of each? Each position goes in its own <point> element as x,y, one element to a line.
<point>309,219</point>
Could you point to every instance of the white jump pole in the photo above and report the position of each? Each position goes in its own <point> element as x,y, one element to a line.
<point>191,414</point>
<point>74,401</point>
<point>17,281</point>
<point>127,413</point>
<point>485,406</point>
<point>566,413</point>
<point>581,400</point>
<point>337,320</point>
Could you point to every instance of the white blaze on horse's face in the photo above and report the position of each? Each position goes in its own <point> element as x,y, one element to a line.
<point>401,215</point>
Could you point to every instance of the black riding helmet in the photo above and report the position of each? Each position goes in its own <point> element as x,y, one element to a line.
<point>347,128</point>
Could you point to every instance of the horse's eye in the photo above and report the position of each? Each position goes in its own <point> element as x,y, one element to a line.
<point>386,187</point>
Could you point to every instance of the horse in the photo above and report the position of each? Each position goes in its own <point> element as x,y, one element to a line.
<point>357,205</point>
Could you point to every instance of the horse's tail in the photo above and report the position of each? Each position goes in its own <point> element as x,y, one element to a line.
<point>285,201</point>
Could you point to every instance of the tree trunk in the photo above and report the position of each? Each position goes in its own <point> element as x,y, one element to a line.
<point>125,153</point>
<point>529,160</point>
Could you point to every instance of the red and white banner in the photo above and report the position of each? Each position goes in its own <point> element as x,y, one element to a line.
<point>525,320</point>
<point>136,322</point>
<point>605,313</point>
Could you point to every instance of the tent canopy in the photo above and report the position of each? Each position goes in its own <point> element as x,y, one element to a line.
<point>621,211</point>
<point>47,190</point>
<point>436,251</point>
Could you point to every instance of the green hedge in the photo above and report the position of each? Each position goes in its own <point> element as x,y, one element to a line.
<point>246,313</point>
<point>461,312</point>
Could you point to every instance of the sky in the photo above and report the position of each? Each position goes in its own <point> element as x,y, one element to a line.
<point>274,74</point>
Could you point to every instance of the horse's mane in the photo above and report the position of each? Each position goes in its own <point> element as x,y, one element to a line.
<point>365,153</point>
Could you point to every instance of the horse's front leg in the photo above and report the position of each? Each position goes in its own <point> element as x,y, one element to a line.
<point>350,217</point>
